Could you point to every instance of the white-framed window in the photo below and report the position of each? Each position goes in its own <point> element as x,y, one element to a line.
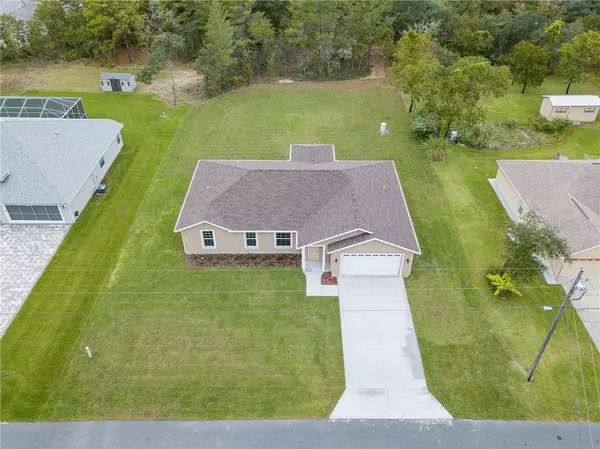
<point>118,138</point>
<point>589,110</point>
<point>208,239</point>
<point>102,162</point>
<point>560,110</point>
<point>102,83</point>
<point>283,240</point>
<point>128,83</point>
<point>251,240</point>
<point>520,210</point>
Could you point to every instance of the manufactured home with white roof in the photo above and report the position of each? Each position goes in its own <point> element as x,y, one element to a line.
<point>581,108</point>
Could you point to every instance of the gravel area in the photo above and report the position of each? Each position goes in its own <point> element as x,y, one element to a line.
<point>25,250</point>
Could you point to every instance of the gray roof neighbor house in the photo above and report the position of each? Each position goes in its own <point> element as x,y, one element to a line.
<point>311,193</point>
<point>46,161</point>
<point>565,193</point>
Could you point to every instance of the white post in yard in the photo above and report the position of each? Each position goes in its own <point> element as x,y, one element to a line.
<point>89,351</point>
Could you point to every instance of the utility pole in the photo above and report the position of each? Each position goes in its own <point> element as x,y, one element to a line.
<point>562,309</point>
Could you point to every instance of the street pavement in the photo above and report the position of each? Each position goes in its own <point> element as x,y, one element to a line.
<point>310,434</point>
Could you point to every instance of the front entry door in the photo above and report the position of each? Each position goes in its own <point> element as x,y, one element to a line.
<point>115,85</point>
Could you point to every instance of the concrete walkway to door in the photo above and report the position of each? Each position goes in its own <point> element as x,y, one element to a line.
<point>382,362</point>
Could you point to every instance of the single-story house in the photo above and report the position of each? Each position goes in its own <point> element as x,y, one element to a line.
<point>116,82</point>
<point>566,193</point>
<point>582,108</point>
<point>49,168</point>
<point>347,217</point>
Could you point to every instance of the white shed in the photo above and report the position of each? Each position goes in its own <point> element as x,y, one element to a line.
<point>582,108</point>
<point>116,82</point>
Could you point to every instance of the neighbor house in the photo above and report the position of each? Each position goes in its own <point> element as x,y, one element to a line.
<point>347,217</point>
<point>49,168</point>
<point>116,82</point>
<point>564,193</point>
<point>581,108</point>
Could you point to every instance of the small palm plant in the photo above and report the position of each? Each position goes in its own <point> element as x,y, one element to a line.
<point>503,284</point>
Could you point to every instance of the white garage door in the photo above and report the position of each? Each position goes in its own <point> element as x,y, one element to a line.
<point>366,264</point>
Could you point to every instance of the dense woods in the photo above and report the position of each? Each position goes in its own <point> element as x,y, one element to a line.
<point>232,42</point>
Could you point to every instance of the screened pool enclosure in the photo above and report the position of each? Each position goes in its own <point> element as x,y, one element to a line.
<point>42,107</point>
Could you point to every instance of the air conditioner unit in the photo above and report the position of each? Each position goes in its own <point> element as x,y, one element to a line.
<point>101,189</point>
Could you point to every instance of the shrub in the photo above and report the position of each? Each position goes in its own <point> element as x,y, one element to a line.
<point>477,135</point>
<point>424,125</point>
<point>238,81</point>
<point>554,126</point>
<point>510,123</point>
<point>436,148</point>
<point>503,284</point>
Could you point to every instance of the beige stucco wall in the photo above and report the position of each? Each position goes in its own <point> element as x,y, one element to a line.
<point>575,113</point>
<point>231,242</point>
<point>313,253</point>
<point>591,268</point>
<point>546,108</point>
<point>510,194</point>
<point>372,247</point>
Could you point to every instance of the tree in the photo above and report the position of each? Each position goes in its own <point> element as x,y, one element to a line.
<point>454,93</point>
<point>528,64</point>
<point>516,28</point>
<point>13,45</point>
<point>591,22</point>
<point>413,65</point>
<point>57,30</point>
<point>111,25</point>
<point>215,61</point>
<point>527,242</point>
<point>468,37</point>
<point>164,51</point>
<point>580,58</point>
<point>503,284</point>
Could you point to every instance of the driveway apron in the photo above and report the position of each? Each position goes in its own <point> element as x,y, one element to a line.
<point>382,362</point>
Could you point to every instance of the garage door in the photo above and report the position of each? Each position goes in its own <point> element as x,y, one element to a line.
<point>365,264</point>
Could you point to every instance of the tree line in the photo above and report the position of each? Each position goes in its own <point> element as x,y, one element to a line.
<point>235,41</point>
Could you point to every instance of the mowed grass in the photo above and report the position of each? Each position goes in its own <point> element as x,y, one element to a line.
<point>172,342</point>
<point>40,339</point>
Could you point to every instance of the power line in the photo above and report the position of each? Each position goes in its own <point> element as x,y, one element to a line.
<point>587,409</point>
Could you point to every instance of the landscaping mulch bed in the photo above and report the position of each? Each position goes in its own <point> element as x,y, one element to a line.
<point>328,279</point>
<point>243,260</point>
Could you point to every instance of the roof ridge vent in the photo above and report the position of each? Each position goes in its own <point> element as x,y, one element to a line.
<point>4,176</point>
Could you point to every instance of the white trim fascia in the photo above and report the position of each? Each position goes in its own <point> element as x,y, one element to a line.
<point>185,199</point>
<point>584,250</point>
<point>283,247</point>
<point>372,240</point>
<point>412,226</point>
<point>335,236</point>
<point>213,237</point>
<point>251,247</point>
<point>511,183</point>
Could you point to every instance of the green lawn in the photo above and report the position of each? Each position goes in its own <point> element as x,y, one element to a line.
<point>172,342</point>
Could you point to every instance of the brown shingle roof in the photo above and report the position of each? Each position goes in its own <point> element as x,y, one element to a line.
<point>565,193</point>
<point>312,154</point>
<point>318,200</point>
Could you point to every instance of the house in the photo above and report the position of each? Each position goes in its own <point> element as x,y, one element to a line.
<point>49,168</point>
<point>347,217</point>
<point>582,108</point>
<point>116,82</point>
<point>566,193</point>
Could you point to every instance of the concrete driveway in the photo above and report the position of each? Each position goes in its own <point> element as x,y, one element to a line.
<point>25,250</point>
<point>588,307</point>
<point>382,362</point>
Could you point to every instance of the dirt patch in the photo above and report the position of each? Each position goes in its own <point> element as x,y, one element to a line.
<point>243,260</point>
<point>188,87</point>
<point>122,57</point>
<point>377,67</point>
